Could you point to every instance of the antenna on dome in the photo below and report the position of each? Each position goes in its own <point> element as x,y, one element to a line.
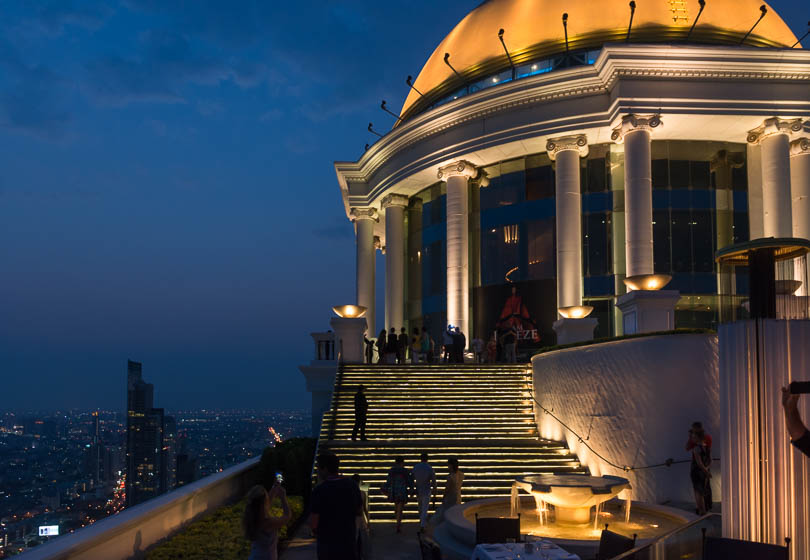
<point>565,29</point>
<point>630,25</point>
<point>447,62</point>
<point>371,130</point>
<point>384,108</point>
<point>697,17</point>
<point>803,36</point>
<point>409,81</point>
<point>511,64</point>
<point>764,9</point>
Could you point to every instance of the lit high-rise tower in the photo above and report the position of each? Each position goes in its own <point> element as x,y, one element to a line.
<point>144,439</point>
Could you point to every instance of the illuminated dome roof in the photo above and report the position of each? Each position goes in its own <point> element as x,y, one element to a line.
<point>533,29</point>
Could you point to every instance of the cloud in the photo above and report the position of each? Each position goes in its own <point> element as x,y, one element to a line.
<point>54,16</point>
<point>168,62</point>
<point>32,98</point>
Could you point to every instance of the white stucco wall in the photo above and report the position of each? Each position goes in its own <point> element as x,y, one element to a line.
<point>634,400</point>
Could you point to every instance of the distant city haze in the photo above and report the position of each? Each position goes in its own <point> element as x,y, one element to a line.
<point>167,193</point>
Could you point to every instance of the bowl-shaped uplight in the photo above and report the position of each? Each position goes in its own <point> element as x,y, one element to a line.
<point>575,311</point>
<point>349,311</point>
<point>647,281</point>
<point>787,287</point>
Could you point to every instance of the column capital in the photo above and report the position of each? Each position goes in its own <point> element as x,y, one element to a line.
<point>800,147</point>
<point>363,214</point>
<point>577,143</point>
<point>394,199</point>
<point>631,123</point>
<point>771,127</point>
<point>457,168</point>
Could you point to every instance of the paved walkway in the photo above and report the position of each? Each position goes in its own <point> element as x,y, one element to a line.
<point>385,543</point>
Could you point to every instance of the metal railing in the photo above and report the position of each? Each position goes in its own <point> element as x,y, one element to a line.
<point>685,541</point>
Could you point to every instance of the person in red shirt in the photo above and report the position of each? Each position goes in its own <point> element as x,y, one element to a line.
<point>690,444</point>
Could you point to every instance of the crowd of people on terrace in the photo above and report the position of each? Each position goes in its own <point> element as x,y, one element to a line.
<point>420,348</point>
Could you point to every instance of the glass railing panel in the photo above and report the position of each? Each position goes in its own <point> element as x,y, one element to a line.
<point>684,542</point>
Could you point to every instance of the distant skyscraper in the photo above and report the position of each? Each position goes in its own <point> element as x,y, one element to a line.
<point>94,452</point>
<point>145,456</point>
<point>168,467</point>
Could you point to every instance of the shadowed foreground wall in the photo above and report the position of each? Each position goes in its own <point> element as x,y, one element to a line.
<point>634,400</point>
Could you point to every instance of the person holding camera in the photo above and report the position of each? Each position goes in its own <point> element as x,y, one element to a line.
<point>799,435</point>
<point>260,526</point>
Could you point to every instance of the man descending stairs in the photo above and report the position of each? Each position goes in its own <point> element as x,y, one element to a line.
<point>481,414</point>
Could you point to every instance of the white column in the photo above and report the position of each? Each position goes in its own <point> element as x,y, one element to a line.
<point>800,187</point>
<point>394,206</point>
<point>773,139</point>
<point>753,164</point>
<point>457,176</point>
<point>635,132</point>
<point>567,151</point>
<point>364,220</point>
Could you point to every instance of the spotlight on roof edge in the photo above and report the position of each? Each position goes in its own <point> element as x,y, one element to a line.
<point>630,25</point>
<point>371,130</point>
<point>764,10</point>
<point>697,17</point>
<point>409,81</point>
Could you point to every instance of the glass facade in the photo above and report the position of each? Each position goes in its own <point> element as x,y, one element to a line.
<point>699,205</point>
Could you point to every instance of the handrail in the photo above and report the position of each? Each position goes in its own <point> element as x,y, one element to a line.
<point>626,468</point>
<point>629,554</point>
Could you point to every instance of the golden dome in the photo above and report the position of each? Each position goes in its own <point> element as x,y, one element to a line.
<point>533,29</point>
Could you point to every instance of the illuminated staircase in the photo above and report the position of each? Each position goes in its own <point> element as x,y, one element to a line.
<point>481,414</point>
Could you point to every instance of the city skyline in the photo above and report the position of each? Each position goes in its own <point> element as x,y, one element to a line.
<point>167,193</point>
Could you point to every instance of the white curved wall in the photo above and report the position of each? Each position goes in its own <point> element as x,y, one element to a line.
<point>634,401</point>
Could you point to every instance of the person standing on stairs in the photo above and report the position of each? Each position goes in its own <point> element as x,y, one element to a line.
<point>452,488</point>
<point>397,487</point>
<point>402,346</point>
<point>360,413</point>
<point>381,347</point>
<point>391,347</point>
<point>424,478</point>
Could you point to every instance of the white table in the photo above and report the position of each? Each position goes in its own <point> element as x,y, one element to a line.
<point>510,551</point>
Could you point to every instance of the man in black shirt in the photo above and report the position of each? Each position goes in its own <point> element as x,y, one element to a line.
<point>335,503</point>
<point>360,413</point>
<point>799,435</point>
<point>402,346</point>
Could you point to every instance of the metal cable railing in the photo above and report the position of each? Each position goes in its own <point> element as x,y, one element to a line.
<point>584,441</point>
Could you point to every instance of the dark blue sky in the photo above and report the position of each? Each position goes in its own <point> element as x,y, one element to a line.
<point>167,191</point>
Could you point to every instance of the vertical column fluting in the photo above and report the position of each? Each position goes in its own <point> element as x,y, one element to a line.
<point>800,187</point>
<point>394,206</point>
<point>364,220</point>
<point>635,131</point>
<point>774,142</point>
<point>566,152</point>
<point>457,176</point>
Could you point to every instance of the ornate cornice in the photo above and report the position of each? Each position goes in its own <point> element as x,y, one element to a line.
<point>395,199</point>
<point>800,147</point>
<point>497,112</point>
<point>363,214</point>
<point>578,143</point>
<point>632,123</point>
<point>457,168</point>
<point>771,127</point>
